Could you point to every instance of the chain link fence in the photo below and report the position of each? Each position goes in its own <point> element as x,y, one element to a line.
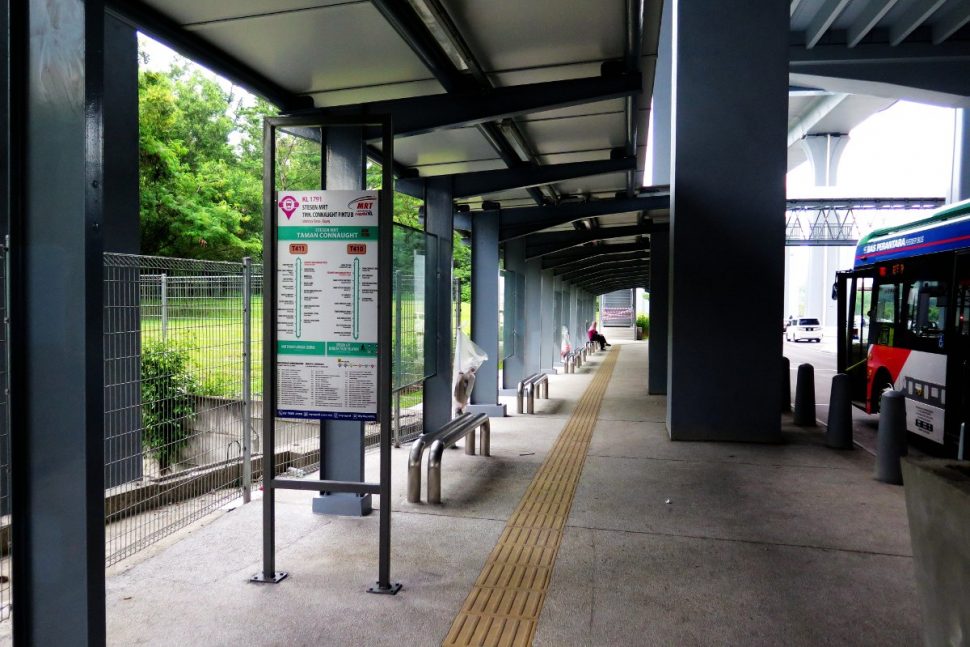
<point>183,388</point>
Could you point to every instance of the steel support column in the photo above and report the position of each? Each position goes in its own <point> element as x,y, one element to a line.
<point>485,228</point>
<point>342,441</point>
<point>56,382</point>
<point>712,186</point>
<point>657,355</point>
<point>439,220</point>
<point>547,329</point>
<point>513,368</point>
<point>532,325</point>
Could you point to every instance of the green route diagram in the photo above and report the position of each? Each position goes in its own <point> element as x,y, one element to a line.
<point>298,284</point>
<point>356,299</point>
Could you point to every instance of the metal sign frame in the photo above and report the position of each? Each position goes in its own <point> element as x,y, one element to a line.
<point>271,482</point>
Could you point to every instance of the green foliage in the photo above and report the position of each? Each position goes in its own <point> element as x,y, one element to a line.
<point>201,197</point>
<point>643,323</point>
<point>167,389</point>
<point>462,266</point>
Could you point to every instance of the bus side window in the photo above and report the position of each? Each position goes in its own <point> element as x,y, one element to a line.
<point>886,314</point>
<point>926,312</point>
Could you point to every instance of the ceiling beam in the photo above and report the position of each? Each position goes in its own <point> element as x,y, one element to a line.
<point>836,54</point>
<point>619,283</point>
<point>559,260</point>
<point>418,115</point>
<point>602,269</point>
<point>549,243</point>
<point>523,221</point>
<point>466,185</point>
<point>165,30</point>
<point>951,22</point>
<point>823,19</point>
<point>575,263</point>
<point>919,12</point>
<point>868,19</point>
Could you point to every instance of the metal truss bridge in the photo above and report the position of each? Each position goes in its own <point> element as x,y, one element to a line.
<point>831,222</point>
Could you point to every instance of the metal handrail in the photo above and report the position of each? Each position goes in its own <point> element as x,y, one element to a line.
<point>465,429</point>
<point>421,443</point>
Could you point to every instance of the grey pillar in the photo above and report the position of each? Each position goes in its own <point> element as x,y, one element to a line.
<point>513,369</point>
<point>122,420</point>
<point>659,294</point>
<point>56,336</point>
<point>485,229</point>
<point>660,241</point>
<point>737,62</point>
<point>342,441</point>
<point>439,220</point>
<point>548,331</point>
<point>532,337</point>
<point>960,186</point>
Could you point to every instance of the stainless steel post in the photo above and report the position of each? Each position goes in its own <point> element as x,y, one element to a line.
<point>164,287</point>
<point>247,413</point>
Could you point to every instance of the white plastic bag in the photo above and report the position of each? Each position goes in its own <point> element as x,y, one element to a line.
<point>566,347</point>
<point>468,359</point>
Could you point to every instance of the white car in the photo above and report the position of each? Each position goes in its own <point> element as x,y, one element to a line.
<point>804,328</point>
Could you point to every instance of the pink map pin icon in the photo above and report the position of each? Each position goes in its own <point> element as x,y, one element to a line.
<point>289,204</point>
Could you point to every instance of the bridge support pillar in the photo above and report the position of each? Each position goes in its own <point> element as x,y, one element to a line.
<point>715,222</point>
<point>824,152</point>
<point>960,186</point>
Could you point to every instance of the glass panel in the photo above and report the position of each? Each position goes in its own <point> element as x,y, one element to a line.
<point>507,313</point>
<point>408,313</point>
<point>926,308</point>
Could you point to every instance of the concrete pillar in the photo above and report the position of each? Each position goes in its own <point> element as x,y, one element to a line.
<point>513,369</point>
<point>732,64</point>
<point>960,182</point>
<point>548,334</point>
<point>815,291</point>
<point>439,220</point>
<point>657,355</point>
<point>56,344</point>
<point>532,334</point>
<point>485,231</point>
<point>342,441</point>
<point>824,153</point>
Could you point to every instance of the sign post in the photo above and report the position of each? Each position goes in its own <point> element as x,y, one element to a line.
<point>327,259</point>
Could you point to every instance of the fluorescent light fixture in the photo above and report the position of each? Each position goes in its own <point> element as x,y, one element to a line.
<point>430,19</point>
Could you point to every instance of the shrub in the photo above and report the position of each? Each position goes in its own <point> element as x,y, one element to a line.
<point>643,323</point>
<point>167,389</point>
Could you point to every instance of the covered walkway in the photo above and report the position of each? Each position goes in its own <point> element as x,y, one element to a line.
<point>663,544</point>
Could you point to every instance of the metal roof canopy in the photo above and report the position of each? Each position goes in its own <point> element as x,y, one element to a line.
<point>542,108</point>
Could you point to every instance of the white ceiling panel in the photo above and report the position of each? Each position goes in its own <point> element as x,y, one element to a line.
<point>594,184</point>
<point>512,34</point>
<point>331,48</point>
<point>579,133</point>
<point>187,12</point>
<point>443,147</point>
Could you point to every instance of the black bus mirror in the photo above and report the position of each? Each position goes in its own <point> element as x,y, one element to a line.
<point>835,291</point>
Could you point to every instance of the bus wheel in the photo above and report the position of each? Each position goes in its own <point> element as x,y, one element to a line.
<point>881,381</point>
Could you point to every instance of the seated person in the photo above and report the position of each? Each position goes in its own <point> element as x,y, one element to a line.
<point>595,336</point>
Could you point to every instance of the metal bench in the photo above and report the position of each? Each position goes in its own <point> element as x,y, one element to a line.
<point>461,427</point>
<point>466,428</point>
<point>525,391</point>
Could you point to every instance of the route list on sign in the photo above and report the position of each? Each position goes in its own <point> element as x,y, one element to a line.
<point>326,305</point>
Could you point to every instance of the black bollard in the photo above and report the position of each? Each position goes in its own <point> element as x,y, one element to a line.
<point>805,396</point>
<point>891,441</point>
<point>785,385</point>
<point>838,433</point>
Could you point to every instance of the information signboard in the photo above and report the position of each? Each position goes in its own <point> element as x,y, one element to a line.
<point>326,304</point>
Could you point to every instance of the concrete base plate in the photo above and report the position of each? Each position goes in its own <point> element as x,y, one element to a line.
<point>343,504</point>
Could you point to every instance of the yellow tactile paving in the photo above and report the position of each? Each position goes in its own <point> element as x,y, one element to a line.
<point>504,606</point>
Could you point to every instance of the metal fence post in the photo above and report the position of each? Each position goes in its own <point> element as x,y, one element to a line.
<point>397,357</point>
<point>247,373</point>
<point>164,287</point>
